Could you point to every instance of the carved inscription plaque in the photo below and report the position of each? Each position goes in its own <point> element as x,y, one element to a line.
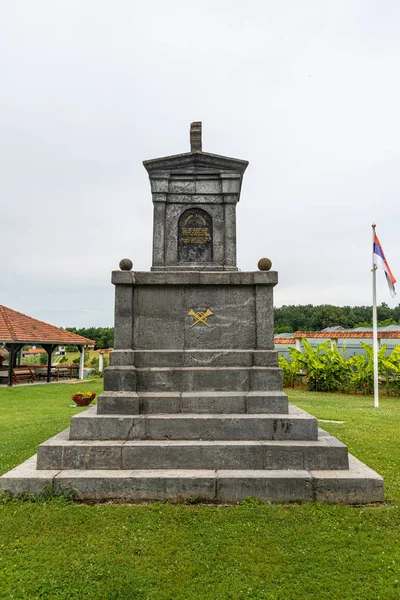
<point>195,236</point>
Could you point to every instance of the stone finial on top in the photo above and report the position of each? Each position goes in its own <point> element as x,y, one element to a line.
<point>264,264</point>
<point>125,264</point>
<point>195,137</point>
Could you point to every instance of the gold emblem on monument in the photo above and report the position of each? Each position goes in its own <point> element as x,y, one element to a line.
<point>201,316</point>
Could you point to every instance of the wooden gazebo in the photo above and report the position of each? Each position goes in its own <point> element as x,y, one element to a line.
<point>18,330</point>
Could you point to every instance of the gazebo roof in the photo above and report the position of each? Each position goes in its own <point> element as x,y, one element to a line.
<point>16,327</point>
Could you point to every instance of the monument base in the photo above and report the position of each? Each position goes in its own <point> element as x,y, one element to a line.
<point>203,456</point>
<point>356,485</point>
<point>193,407</point>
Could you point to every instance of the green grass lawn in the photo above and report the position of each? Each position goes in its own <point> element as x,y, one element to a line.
<point>30,414</point>
<point>57,550</point>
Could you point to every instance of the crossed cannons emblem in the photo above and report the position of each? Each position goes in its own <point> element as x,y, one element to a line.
<point>201,317</point>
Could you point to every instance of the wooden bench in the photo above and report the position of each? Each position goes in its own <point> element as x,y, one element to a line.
<point>23,373</point>
<point>67,371</point>
<point>41,372</point>
<point>63,372</point>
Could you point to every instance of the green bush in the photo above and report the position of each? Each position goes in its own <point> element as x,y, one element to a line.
<point>43,358</point>
<point>327,370</point>
<point>290,371</point>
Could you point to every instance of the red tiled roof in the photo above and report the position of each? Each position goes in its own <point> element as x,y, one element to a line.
<point>285,341</point>
<point>345,334</point>
<point>34,351</point>
<point>17,327</point>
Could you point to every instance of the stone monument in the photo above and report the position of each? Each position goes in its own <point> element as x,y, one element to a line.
<point>193,405</point>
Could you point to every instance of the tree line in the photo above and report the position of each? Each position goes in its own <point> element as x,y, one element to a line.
<point>291,318</point>
<point>103,336</point>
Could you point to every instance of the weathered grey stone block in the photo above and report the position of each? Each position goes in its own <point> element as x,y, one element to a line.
<point>120,379</point>
<point>193,379</point>
<point>269,278</point>
<point>26,479</point>
<point>158,327</point>
<point>217,358</point>
<point>123,277</point>
<point>215,278</point>
<point>159,402</point>
<point>50,452</point>
<point>122,358</point>
<point>271,486</point>
<point>303,455</point>
<point>267,402</point>
<point>125,403</point>
<point>266,378</point>
<point>221,379</point>
<point>242,278</point>
<point>264,317</point>
<point>231,183</point>
<point>159,358</point>
<point>137,485</point>
<point>213,402</point>
<point>192,455</point>
<point>332,458</point>
<point>87,456</point>
<point>232,324</point>
<point>159,184</point>
<point>50,457</point>
<point>358,485</point>
<point>91,426</point>
<point>123,317</point>
<point>229,427</point>
<point>265,358</point>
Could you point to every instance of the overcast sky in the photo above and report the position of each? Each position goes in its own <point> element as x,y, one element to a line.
<point>307,91</point>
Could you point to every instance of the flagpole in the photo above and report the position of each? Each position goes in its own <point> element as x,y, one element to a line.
<point>374,324</point>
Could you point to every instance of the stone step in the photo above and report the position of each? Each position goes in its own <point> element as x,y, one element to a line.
<point>192,402</point>
<point>89,425</point>
<point>357,485</point>
<point>197,357</point>
<point>191,379</point>
<point>62,453</point>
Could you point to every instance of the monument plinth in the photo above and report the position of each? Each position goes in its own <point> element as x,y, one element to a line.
<point>193,403</point>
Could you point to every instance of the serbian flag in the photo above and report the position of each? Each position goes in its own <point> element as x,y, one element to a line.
<point>380,261</point>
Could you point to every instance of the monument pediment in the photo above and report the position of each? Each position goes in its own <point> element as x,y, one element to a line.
<point>195,162</point>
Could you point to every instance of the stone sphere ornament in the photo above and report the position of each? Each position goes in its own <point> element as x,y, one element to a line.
<point>126,264</point>
<point>264,264</point>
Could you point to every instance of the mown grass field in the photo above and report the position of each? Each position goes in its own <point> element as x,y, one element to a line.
<point>57,550</point>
